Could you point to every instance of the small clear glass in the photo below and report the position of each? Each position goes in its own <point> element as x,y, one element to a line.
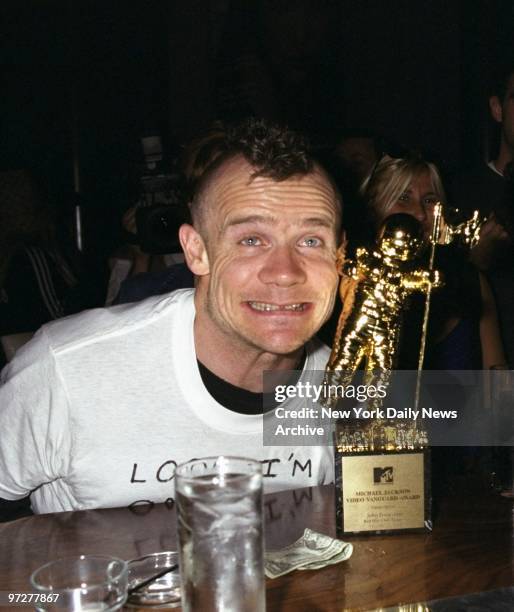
<point>96,583</point>
<point>163,592</point>
<point>219,518</point>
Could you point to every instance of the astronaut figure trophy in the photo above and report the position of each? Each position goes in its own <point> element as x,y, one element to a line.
<point>372,451</point>
<point>374,290</point>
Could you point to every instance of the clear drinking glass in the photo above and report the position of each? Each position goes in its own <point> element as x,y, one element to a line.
<point>219,517</point>
<point>95,583</point>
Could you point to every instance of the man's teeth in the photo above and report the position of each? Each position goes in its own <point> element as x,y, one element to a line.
<point>271,307</point>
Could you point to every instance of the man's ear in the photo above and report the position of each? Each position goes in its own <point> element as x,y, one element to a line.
<point>194,250</point>
<point>495,107</point>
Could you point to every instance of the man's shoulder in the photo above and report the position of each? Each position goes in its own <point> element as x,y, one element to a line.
<point>101,324</point>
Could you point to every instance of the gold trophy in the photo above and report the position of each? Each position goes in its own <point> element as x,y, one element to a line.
<point>382,465</point>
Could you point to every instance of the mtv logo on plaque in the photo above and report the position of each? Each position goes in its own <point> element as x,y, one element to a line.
<point>383,475</point>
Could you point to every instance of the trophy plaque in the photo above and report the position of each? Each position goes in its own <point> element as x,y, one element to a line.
<point>380,490</point>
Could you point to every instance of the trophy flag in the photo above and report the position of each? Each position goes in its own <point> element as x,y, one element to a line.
<point>443,233</point>
<point>434,239</point>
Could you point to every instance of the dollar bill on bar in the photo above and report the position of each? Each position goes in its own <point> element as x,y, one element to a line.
<point>312,551</point>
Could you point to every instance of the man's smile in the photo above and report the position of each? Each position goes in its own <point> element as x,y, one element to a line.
<point>275,308</point>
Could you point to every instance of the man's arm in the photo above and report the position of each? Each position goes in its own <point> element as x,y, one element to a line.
<point>35,439</point>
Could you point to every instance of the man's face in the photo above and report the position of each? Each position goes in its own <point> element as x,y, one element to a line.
<point>503,112</point>
<point>271,250</point>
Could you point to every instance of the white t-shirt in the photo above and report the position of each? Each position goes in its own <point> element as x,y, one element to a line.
<point>98,409</point>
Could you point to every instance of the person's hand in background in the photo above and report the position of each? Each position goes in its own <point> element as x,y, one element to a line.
<point>493,239</point>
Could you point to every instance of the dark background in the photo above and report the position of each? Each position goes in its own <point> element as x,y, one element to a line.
<point>84,80</point>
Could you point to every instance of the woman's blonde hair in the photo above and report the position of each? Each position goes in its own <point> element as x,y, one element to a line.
<point>392,177</point>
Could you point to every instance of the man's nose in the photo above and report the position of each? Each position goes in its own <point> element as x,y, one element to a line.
<point>283,267</point>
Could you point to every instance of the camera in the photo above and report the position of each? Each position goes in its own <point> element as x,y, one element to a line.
<point>162,205</point>
<point>162,209</point>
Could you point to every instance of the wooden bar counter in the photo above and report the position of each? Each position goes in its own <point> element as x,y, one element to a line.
<point>470,550</point>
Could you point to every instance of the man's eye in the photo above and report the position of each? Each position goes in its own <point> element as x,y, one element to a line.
<point>429,201</point>
<point>311,241</point>
<point>404,197</point>
<point>251,241</point>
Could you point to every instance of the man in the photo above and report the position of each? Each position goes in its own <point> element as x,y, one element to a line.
<point>99,408</point>
<point>487,189</point>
